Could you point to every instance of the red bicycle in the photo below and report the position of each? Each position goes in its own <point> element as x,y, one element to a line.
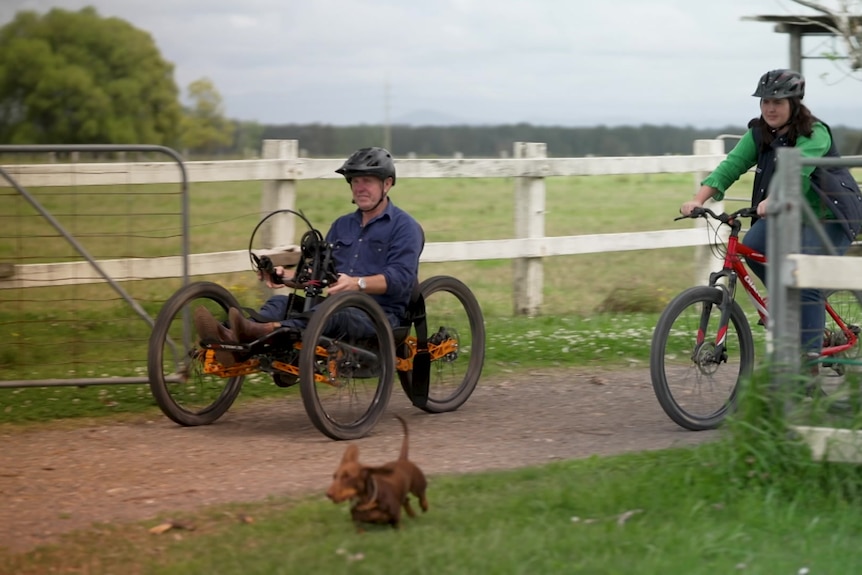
<point>703,345</point>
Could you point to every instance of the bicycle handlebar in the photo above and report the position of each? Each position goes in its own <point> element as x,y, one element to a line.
<point>724,218</point>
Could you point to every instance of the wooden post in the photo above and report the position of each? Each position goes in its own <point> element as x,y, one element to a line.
<point>705,262</point>
<point>527,273</point>
<point>279,230</point>
<point>279,195</point>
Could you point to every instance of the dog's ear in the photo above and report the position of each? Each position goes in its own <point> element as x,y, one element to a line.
<point>351,454</point>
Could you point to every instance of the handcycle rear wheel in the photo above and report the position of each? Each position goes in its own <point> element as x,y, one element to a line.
<point>696,389</point>
<point>346,379</point>
<point>182,390</point>
<point>452,315</point>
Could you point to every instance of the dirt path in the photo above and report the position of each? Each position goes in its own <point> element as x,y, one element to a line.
<point>57,480</point>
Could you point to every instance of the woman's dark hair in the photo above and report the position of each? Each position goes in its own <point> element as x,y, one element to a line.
<point>801,124</point>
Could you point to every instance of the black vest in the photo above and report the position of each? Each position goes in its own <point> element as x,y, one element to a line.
<point>835,186</point>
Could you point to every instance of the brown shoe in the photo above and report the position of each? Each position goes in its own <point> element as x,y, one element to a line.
<point>247,330</point>
<point>208,327</point>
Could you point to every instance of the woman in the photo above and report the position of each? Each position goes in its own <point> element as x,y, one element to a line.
<point>832,194</point>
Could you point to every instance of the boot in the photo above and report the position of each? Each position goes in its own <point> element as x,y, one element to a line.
<point>247,330</point>
<point>208,327</point>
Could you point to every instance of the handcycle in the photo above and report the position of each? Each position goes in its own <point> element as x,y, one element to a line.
<point>703,345</point>
<point>345,380</point>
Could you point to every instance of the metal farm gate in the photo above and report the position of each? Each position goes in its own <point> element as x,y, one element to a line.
<point>77,239</point>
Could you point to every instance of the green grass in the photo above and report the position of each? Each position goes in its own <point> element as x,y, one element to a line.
<point>669,512</point>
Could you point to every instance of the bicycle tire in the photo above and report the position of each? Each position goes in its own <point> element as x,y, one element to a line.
<point>183,392</point>
<point>848,306</point>
<point>695,392</point>
<point>451,308</point>
<point>359,386</point>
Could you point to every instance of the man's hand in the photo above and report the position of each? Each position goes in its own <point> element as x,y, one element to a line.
<point>280,272</point>
<point>345,283</point>
<point>762,207</point>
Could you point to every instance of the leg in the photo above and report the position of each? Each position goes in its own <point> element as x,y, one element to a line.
<point>755,238</point>
<point>353,321</point>
<point>813,311</point>
<point>275,308</point>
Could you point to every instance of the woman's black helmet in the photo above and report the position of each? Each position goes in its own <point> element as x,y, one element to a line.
<point>369,162</point>
<point>779,84</point>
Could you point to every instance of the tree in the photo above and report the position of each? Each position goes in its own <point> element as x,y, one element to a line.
<point>205,128</point>
<point>845,23</point>
<point>76,78</point>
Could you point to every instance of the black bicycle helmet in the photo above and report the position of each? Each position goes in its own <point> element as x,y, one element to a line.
<point>781,83</point>
<point>369,162</point>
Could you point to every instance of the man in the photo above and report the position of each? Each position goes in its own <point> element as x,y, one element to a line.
<point>376,250</point>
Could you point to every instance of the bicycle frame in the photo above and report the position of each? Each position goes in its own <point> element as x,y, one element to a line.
<point>734,269</point>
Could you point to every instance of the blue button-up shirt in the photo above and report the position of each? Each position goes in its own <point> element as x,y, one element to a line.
<point>390,244</point>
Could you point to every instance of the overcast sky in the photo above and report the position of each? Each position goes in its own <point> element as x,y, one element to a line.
<point>549,62</point>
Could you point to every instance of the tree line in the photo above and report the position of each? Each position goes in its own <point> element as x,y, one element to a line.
<point>320,140</point>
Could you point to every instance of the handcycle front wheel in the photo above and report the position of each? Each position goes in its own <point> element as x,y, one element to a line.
<point>175,363</point>
<point>346,374</point>
<point>457,327</point>
<point>696,388</point>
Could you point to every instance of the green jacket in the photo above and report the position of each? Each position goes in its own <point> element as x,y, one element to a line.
<point>744,156</point>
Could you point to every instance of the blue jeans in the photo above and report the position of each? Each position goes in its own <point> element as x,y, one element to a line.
<point>813,311</point>
<point>346,321</point>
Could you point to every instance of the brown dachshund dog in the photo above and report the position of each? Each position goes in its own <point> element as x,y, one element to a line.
<point>378,493</point>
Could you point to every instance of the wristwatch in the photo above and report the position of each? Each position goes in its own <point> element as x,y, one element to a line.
<point>362,284</point>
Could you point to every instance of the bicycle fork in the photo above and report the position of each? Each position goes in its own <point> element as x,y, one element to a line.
<point>709,354</point>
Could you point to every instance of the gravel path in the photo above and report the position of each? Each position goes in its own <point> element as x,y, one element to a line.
<point>57,479</point>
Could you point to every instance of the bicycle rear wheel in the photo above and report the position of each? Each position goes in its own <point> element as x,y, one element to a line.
<point>695,388</point>
<point>847,305</point>
<point>455,322</point>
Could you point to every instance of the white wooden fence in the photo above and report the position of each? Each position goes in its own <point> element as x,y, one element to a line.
<point>281,168</point>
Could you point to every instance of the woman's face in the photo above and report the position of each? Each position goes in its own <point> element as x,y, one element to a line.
<point>776,112</point>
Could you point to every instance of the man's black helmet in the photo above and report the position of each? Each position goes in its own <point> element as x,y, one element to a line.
<point>369,162</point>
<point>780,83</point>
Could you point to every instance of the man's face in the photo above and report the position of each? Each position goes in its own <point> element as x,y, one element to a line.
<point>368,190</point>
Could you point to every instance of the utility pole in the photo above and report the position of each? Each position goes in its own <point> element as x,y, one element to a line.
<point>387,130</point>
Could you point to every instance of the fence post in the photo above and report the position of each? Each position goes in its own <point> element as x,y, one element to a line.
<point>704,261</point>
<point>279,195</point>
<point>529,223</point>
<point>783,237</point>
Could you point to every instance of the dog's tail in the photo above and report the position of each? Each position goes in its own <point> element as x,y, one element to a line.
<point>403,454</point>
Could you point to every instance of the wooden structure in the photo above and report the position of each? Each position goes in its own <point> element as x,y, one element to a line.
<point>798,26</point>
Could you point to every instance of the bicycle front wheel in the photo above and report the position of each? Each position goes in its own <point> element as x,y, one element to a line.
<point>175,364</point>
<point>694,383</point>
<point>346,379</point>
